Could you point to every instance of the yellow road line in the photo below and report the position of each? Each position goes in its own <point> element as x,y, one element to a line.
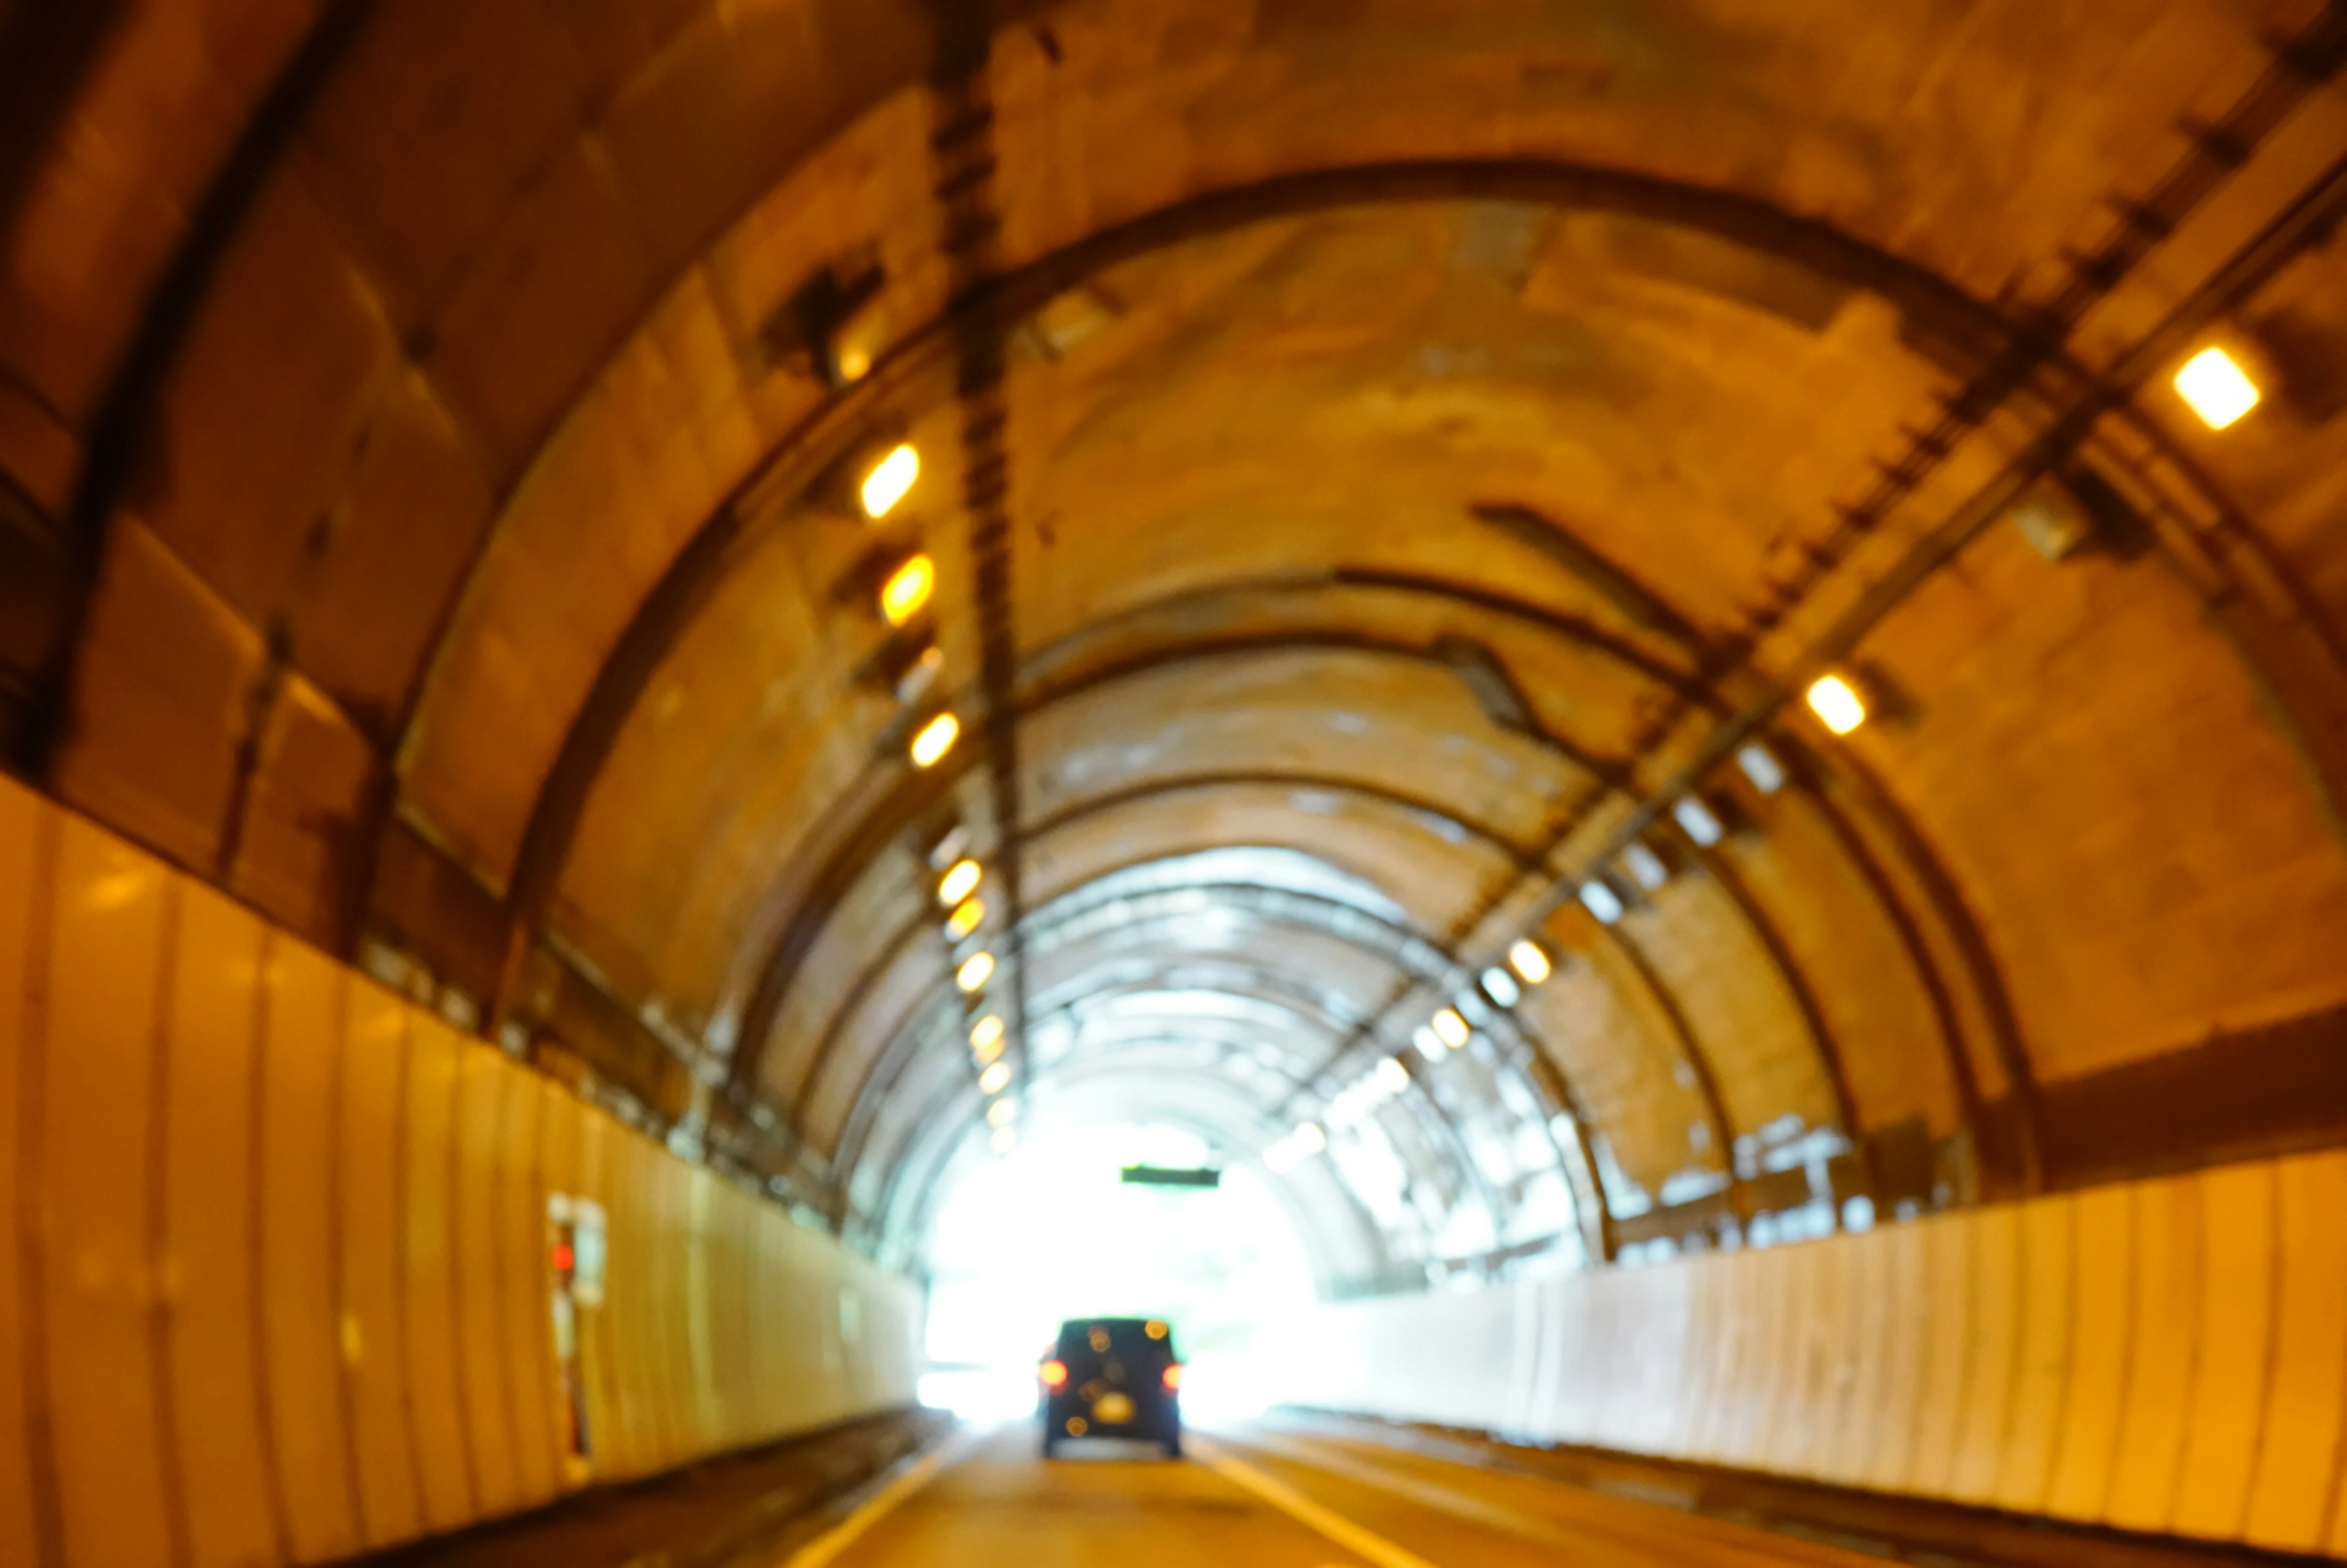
<point>1353,1538</point>
<point>876,1507</point>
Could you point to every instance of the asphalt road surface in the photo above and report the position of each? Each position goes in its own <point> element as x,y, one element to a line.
<point>1266,1498</point>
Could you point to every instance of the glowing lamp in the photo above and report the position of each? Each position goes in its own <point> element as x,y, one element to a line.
<point>1531,964</point>
<point>965,919</point>
<point>995,1079</point>
<point>1451,1029</point>
<point>889,481</point>
<point>960,882</point>
<point>1001,1112</point>
<point>975,973</point>
<point>1837,703</point>
<point>2215,386</point>
<point>907,589</point>
<point>935,739</point>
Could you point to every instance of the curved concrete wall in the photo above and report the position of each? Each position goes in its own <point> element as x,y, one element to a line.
<point>2166,1356</point>
<point>275,1260</point>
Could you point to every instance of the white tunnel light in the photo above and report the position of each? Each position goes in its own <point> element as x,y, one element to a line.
<point>995,1079</point>
<point>1392,1076</point>
<point>1430,1044</point>
<point>1281,1157</point>
<point>960,882</point>
<point>1311,1138</point>
<point>1761,766</point>
<point>1837,703</point>
<point>1501,988</point>
<point>1696,821</point>
<point>1002,1113</point>
<point>935,739</point>
<point>1451,1028</point>
<point>986,1033</point>
<point>1531,964</point>
<point>975,973</point>
<point>2216,388</point>
<point>890,480</point>
<point>1602,902</point>
<point>1646,867</point>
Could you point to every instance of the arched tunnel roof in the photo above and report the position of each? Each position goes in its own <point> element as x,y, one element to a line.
<point>1380,459</point>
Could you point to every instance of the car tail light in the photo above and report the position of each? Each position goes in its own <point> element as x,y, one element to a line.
<point>1055,1374</point>
<point>1174,1378</point>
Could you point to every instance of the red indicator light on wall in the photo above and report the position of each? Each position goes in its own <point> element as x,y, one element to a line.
<point>1174,1378</point>
<point>564,1258</point>
<point>1055,1373</point>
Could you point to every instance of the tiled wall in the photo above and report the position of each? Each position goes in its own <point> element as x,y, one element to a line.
<point>2166,1356</point>
<point>275,1277</point>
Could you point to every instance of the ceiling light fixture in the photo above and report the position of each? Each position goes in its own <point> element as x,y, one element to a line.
<point>934,740</point>
<point>995,1078</point>
<point>1002,1113</point>
<point>1392,1076</point>
<point>974,974</point>
<point>987,1032</point>
<point>2216,387</point>
<point>1698,820</point>
<point>1646,867</point>
<point>1501,988</point>
<point>965,918</point>
<point>960,882</point>
<point>908,589</point>
<point>889,481</point>
<point>1761,766</point>
<point>1428,1043</point>
<point>1835,702</point>
<point>1005,1140</point>
<point>1451,1028</point>
<point>1600,899</point>
<point>1530,962</point>
<point>1311,1138</point>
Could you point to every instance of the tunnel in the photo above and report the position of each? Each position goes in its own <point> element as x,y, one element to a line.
<point>1652,693</point>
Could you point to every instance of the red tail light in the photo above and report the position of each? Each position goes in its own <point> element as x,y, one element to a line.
<point>1055,1373</point>
<point>1174,1378</point>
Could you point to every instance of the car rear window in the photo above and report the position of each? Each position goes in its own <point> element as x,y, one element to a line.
<point>1146,1341</point>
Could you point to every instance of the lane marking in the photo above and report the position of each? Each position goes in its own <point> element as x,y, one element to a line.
<point>878,1506</point>
<point>1353,1538</point>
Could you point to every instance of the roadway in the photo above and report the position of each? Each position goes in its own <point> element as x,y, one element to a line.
<point>1267,1497</point>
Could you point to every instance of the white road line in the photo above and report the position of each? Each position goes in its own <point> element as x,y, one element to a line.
<point>877,1507</point>
<point>1353,1538</point>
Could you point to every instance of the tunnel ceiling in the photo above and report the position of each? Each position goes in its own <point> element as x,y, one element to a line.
<point>1377,455</point>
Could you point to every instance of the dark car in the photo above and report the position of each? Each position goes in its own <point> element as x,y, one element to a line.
<point>1112,1378</point>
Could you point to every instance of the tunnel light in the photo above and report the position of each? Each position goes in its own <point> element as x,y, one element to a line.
<point>1696,821</point>
<point>1501,988</point>
<point>1281,1157</point>
<point>908,589</point>
<point>934,740</point>
<point>1311,1138</point>
<point>1451,1028</point>
<point>1646,867</point>
<point>1002,1113</point>
<point>1837,703</point>
<point>889,481</point>
<point>1005,1140</point>
<point>1430,1044</point>
<point>2215,386</point>
<point>995,1079</point>
<point>960,882</point>
<point>1392,1076</point>
<point>986,1034</point>
<point>1601,900</point>
<point>965,919</point>
<point>1761,766</point>
<point>1531,964</point>
<point>974,974</point>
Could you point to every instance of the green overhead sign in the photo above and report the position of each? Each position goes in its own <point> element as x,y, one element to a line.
<point>1159,1176</point>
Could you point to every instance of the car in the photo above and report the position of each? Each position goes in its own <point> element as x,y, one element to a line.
<point>1112,1378</point>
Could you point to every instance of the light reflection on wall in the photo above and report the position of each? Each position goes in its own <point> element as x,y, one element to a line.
<point>1049,1231</point>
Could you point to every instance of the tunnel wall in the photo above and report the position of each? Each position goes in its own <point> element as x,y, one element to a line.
<point>2168,1356</point>
<point>275,1258</point>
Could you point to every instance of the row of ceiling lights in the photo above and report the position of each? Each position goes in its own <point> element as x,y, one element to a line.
<point>909,585</point>
<point>2213,384</point>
